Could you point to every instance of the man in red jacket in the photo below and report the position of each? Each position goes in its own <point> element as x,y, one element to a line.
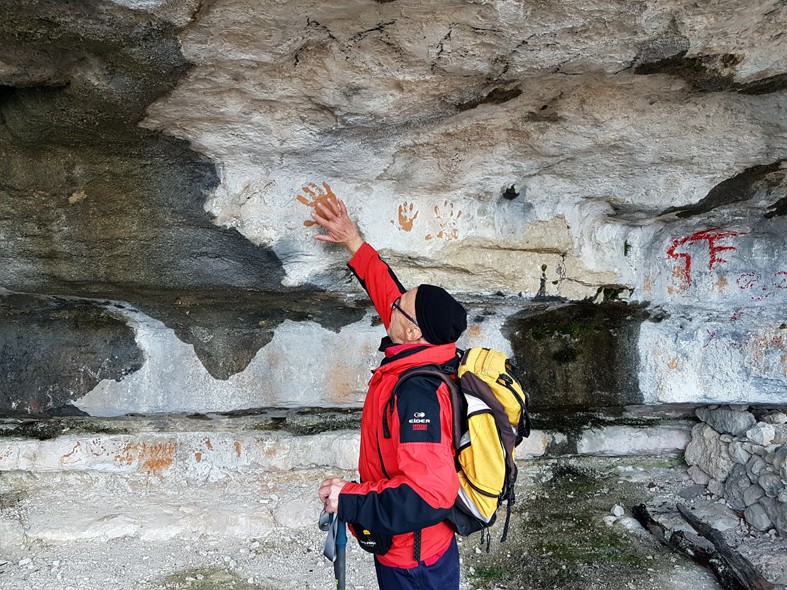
<point>408,478</point>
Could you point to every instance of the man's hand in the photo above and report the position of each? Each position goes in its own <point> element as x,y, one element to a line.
<point>329,493</point>
<point>317,194</point>
<point>333,217</point>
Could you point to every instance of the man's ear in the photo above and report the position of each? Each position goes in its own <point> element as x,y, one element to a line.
<point>413,333</point>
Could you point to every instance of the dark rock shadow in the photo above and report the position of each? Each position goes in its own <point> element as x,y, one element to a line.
<point>93,206</point>
<point>578,356</point>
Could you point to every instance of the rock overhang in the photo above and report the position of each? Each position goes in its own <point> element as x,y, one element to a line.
<point>564,151</point>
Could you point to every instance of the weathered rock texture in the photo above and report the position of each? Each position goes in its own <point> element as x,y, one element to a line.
<point>158,158</point>
<point>749,471</point>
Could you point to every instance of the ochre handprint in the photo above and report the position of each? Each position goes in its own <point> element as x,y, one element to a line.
<point>319,195</point>
<point>446,223</point>
<point>406,216</point>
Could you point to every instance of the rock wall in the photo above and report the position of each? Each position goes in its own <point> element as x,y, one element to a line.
<point>603,185</point>
<point>743,461</point>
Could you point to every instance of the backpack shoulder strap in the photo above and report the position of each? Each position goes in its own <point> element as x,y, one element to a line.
<point>447,373</point>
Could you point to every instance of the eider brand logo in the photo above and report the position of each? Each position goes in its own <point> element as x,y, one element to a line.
<point>420,421</point>
<point>419,418</point>
<point>418,414</point>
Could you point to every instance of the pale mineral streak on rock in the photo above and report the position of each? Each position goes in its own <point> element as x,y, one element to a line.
<point>619,441</point>
<point>173,379</point>
<point>284,373</point>
<point>703,356</point>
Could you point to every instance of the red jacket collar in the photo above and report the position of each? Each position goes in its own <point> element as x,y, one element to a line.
<point>412,355</point>
<point>397,349</point>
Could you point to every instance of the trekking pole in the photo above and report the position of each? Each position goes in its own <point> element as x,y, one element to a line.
<point>335,548</point>
<point>340,565</point>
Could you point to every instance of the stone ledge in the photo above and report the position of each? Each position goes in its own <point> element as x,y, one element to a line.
<point>212,456</point>
<point>212,446</point>
<point>206,456</point>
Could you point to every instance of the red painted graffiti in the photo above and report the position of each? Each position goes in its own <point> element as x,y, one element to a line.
<point>711,236</point>
<point>762,287</point>
<point>711,337</point>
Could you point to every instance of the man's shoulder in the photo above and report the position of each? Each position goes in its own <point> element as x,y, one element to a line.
<point>419,383</point>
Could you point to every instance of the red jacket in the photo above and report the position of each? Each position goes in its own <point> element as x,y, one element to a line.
<point>408,477</point>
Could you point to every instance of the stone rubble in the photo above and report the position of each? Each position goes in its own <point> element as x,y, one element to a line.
<point>741,457</point>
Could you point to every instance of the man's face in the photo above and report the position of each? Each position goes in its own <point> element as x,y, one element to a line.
<point>401,329</point>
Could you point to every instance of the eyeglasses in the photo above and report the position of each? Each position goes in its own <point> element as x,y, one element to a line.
<point>395,305</point>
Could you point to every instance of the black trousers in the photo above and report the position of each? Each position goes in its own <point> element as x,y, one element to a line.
<point>441,575</point>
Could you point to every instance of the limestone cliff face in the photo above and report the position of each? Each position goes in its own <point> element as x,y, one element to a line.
<point>540,159</point>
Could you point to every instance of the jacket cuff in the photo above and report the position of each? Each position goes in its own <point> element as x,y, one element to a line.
<point>360,260</point>
<point>347,505</point>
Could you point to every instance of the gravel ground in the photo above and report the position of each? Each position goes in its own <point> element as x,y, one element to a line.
<point>285,563</point>
<point>571,529</point>
<point>276,563</point>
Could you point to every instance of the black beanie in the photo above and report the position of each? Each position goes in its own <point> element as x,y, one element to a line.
<point>442,318</point>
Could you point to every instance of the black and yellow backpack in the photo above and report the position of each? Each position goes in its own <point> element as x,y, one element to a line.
<point>490,420</point>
